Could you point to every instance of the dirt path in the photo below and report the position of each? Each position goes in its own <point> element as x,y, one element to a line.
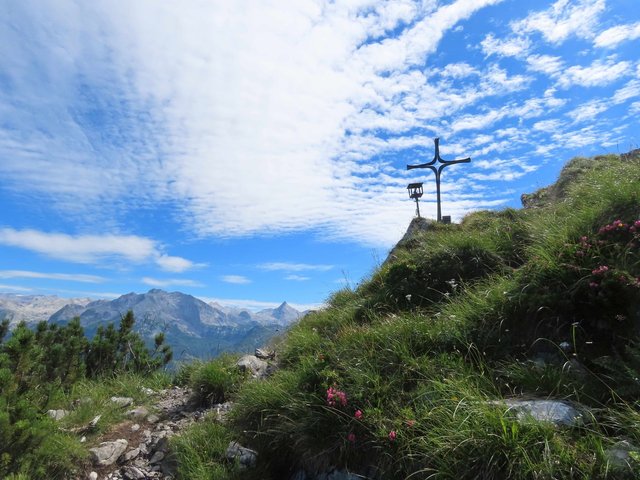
<point>141,444</point>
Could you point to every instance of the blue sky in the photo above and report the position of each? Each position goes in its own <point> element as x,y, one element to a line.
<point>254,151</point>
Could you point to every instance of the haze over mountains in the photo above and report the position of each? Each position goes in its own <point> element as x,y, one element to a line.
<point>193,328</point>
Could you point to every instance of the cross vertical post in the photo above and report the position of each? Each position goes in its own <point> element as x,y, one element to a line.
<point>438,170</point>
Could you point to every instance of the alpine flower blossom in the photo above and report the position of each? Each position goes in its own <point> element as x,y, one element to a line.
<point>351,437</point>
<point>392,435</point>
<point>358,414</point>
<point>335,397</point>
<point>601,270</point>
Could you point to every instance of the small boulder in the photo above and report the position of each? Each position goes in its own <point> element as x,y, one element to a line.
<point>57,414</point>
<point>245,456</point>
<point>92,476</point>
<point>130,455</point>
<point>555,411</point>
<point>264,354</point>
<point>138,412</point>
<point>153,418</point>
<point>122,401</point>
<point>619,456</point>
<point>133,473</point>
<point>108,452</point>
<point>252,364</point>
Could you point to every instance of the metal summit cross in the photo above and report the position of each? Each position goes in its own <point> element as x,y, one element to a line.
<point>438,169</point>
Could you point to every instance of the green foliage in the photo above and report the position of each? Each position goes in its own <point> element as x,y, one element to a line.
<point>214,381</point>
<point>40,369</point>
<point>112,351</point>
<point>200,453</point>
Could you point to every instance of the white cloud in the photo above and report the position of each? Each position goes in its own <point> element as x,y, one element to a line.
<point>175,264</point>
<point>92,249</point>
<point>196,104</point>
<point>69,277</point>
<point>235,279</point>
<point>81,248</point>
<point>13,288</point>
<point>549,125</point>
<point>459,70</point>
<point>630,90</point>
<point>505,47</point>
<point>563,19</point>
<point>170,282</point>
<point>599,73</point>
<point>294,267</point>
<point>613,36</point>
<point>589,110</point>
<point>545,63</point>
<point>297,278</point>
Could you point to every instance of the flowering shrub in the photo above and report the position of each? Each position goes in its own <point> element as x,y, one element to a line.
<point>336,397</point>
<point>605,269</point>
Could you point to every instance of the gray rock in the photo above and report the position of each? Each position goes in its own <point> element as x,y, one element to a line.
<point>264,354</point>
<point>252,364</point>
<point>130,455</point>
<point>147,391</point>
<point>108,452</point>
<point>133,473</point>
<point>138,412</point>
<point>157,457</point>
<point>555,411</point>
<point>619,456</point>
<point>92,476</point>
<point>135,427</point>
<point>153,418</point>
<point>57,414</point>
<point>245,456</point>
<point>122,401</point>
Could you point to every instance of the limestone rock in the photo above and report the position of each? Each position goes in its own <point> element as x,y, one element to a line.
<point>264,354</point>
<point>619,454</point>
<point>555,411</point>
<point>57,414</point>
<point>153,418</point>
<point>133,473</point>
<point>108,452</point>
<point>130,455</point>
<point>252,364</point>
<point>138,412</point>
<point>92,476</point>
<point>122,401</point>
<point>245,456</point>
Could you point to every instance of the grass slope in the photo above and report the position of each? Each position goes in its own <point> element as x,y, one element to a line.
<point>398,377</point>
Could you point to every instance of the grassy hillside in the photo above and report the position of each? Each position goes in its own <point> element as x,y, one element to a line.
<point>405,376</point>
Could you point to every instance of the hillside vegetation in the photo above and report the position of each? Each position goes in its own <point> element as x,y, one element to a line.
<point>410,374</point>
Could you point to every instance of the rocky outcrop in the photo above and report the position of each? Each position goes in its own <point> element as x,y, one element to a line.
<point>558,412</point>
<point>108,452</point>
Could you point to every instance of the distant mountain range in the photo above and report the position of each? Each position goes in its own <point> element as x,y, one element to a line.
<point>193,328</point>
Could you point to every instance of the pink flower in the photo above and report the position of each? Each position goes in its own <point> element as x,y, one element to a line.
<point>392,435</point>
<point>411,423</point>
<point>594,284</point>
<point>601,270</point>
<point>351,437</point>
<point>358,414</point>
<point>335,396</point>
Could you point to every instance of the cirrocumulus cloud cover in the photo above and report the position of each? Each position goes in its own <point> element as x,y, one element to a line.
<point>252,152</point>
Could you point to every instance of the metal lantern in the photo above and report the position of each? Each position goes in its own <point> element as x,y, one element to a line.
<point>415,192</point>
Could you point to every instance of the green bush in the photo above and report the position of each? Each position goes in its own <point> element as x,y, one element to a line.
<point>215,381</point>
